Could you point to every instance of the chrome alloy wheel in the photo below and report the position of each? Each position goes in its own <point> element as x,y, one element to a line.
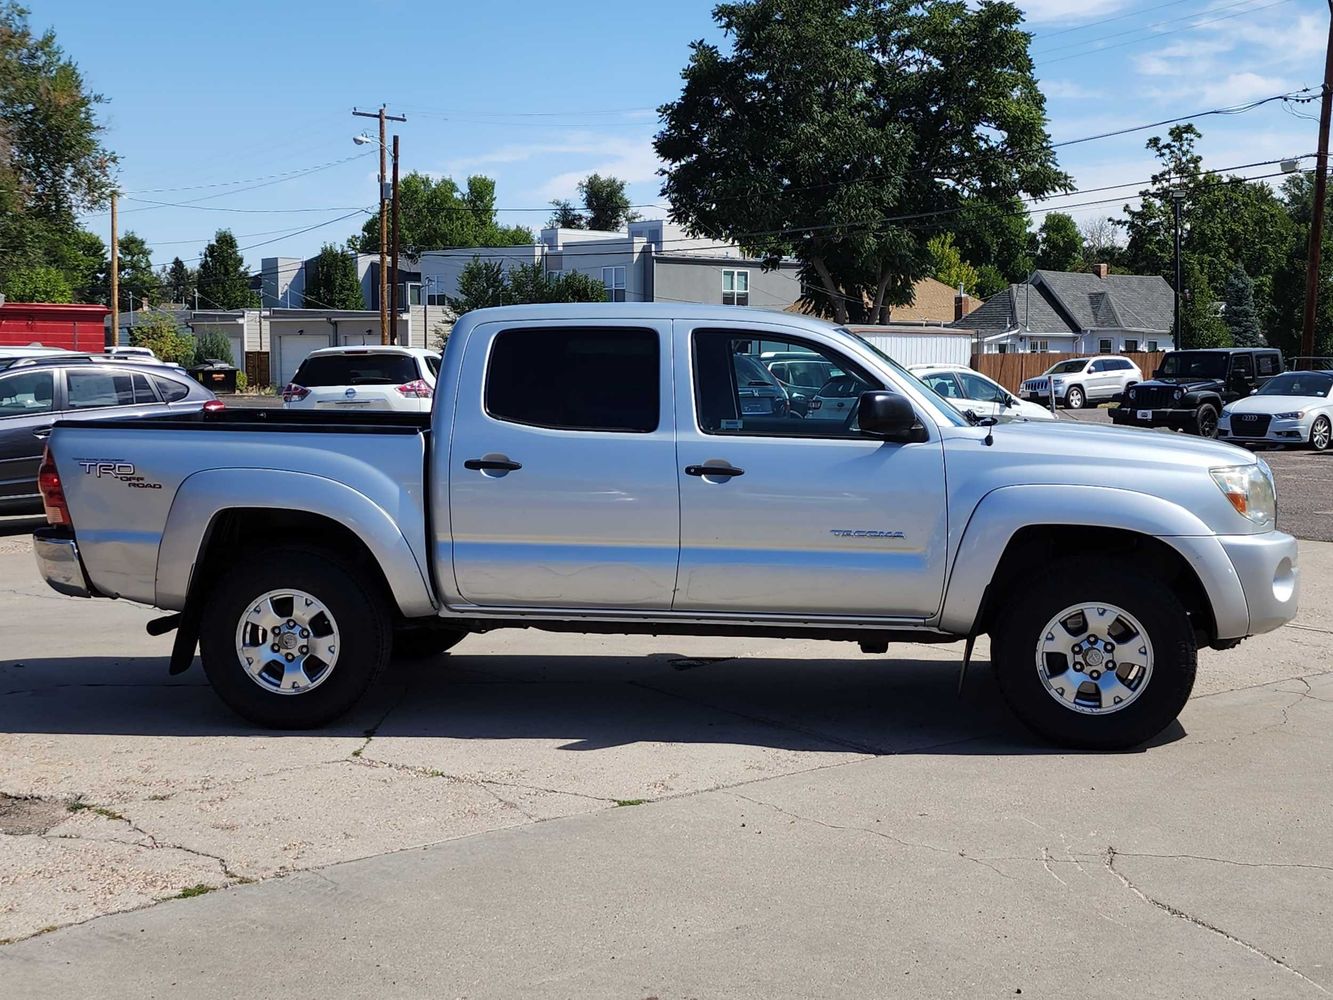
<point>1094,658</point>
<point>287,642</point>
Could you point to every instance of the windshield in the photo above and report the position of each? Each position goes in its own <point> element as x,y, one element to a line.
<point>943,411</point>
<point>1067,367</point>
<point>356,369</point>
<point>1298,384</point>
<point>1194,364</point>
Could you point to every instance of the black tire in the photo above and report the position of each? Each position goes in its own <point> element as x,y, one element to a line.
<point>1321,434</point>
<point>424,643</point>
<point>360,611</point>
<point>1204,423</point>
<point>1075,398</point>
<point>1020,629</point>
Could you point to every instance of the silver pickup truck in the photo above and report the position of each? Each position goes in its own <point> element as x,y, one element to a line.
<point>633,469</point>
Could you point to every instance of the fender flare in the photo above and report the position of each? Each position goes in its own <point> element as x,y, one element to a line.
<point>202,497</point>
<point>1003,512</point>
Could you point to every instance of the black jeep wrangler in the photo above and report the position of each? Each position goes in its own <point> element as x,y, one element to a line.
<point>1188,391</point>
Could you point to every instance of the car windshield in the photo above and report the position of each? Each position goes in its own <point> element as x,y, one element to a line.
<point>1298,384</point>
<point>356,369</point>
<point>943,411</point>
<point>1194,364</point>
<point>1067,367</point>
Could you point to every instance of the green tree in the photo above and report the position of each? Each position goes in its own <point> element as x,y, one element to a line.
<point>996,233</point>
<point>481,284</point>
<point>948,266</point>
<point>178,281</point>
<point>37,283</point>
<point>989,281</point>
<point>436,215</point>
<point>485,283</point>
<point>829,120</point>
<point>330,280</point>
<point>1241,317</point>
<point>137,276</point>
<point>1288,296</point>
<point>158,331</point>
<point>212,346</point>
<point>1059,243</point>
<point>224,282</point>
<point>1200,324</point>
<point>606,203</point>
<point>565,216</point>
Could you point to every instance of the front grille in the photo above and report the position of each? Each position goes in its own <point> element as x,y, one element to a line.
<point>1152,397</point>
<point>1250,424</point>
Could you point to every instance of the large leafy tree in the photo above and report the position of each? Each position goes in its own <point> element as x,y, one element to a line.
<point>1059,243</point>
<point>948,266</point>
<point>37,283</point>
<point>53,165</point>
<point>846,132</point>
<point>606,206</point>
<point>330,280</point>
<point>483,283</point>
<point>137,276</point>
<point>1284,331</point>
<point>224,282</point>
<point>434,214</point>
<point>1200,322</point>
<point>996,234</point>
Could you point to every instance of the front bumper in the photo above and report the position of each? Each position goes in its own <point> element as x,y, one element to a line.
<point>58,562</point>
<point>1126,415</point>
<point>1290,431</point>
<point>1269,576</point>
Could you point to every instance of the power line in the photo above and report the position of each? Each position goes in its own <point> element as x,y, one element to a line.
<point>1107,20</point>
<point>298,232</point>
<point>1144,27</point>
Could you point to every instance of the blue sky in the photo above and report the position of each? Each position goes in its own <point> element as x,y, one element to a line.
<point>226,105</point>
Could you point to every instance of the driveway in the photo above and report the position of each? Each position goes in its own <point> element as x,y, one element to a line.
<point>560,815</point>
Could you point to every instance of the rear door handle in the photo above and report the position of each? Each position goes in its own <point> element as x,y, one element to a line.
<point>726,471</point>
<point>491,465</point>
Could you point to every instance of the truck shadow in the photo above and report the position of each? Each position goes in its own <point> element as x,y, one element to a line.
<point>574,702</point>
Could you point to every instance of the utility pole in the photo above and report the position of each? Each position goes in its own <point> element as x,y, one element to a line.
<point>1320,186</point>
<point>383,116</point>
<point>1177,199</point>
<point>393,264</point>
<point>113,336</point>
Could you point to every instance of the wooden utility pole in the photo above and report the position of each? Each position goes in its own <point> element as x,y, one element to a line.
<point>1320,187</point>
<point>393,264</point>
<point>383,116</point>
<point>112,338</point>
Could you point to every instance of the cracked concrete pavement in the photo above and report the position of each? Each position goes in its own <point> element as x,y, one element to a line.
<point>610,816</point>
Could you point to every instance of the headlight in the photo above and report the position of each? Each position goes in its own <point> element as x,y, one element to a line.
<point>1059,381</point>
<point>1226,411</point>
<point>1133,394</point>
<point>1250,490</point>
<point>1293,415</point>
<point>1179,394</point>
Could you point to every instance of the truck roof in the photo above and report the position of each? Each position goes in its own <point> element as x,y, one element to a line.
<point>645,311</point>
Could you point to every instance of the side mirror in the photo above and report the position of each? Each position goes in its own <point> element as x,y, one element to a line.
<point>889,416</point>
<point>1157,373</point>
<point>1008,401</point>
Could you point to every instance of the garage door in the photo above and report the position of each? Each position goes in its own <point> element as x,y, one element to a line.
<point>237,352</point>
<point>292,350</point>
<point>358,339</point>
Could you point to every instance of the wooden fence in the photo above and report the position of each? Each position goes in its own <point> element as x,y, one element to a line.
<point>1010,370</point>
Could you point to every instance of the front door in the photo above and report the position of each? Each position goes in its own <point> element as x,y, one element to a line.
<point>562,467</point>
<point>27,411</point>
<point>783,514</point>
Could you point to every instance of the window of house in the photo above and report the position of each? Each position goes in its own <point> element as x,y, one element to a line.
<point>437,299</point>
<point>99,387</point>
<point>614,280</point>
<point>1105,345</point>
<point>1150,346</point>
<point>27,393</point>
<point>1039,346</point>
<point>576,379</point>
<point>737,393</point>
<point>735,287</point>
<point>1001,348</point>
<point>1131,346</point>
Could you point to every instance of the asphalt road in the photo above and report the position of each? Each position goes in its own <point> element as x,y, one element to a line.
<point>584,816</point>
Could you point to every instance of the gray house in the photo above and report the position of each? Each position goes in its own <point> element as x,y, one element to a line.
<point>1079,313</point>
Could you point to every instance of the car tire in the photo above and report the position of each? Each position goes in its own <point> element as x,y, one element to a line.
<point>424,643</point>
<point>1075,398</point>
<point>1128,597</point>
<point>301,592</point>
<point>1321,434</point>
<point>1204,423</point>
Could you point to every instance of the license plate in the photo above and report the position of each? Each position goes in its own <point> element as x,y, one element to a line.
<point>1144,414</point>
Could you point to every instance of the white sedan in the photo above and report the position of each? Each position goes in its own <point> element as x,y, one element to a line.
<point>1294,408</point>
<point>364,378</point>
<point>966,390</point>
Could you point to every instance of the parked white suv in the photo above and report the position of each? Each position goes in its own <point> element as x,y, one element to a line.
<point>364,378</point>
<point>1080,381</point>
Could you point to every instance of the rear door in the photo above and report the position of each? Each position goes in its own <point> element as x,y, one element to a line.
<point>28,407</point>
<point>562,467</point>
<point>797,516</point>
<point>95,391</point>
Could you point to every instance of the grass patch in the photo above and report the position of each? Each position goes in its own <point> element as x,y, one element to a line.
<point>630,802</point>
<point>78,806</point>
<point>194,890</point>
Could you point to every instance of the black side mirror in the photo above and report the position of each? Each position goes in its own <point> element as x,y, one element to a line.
<point>1157,373</point>
<point>889,416</point>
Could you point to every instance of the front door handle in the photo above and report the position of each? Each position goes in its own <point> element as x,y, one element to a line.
<point>42,434</point>
<point>726,471</point>
<point>491,465</point>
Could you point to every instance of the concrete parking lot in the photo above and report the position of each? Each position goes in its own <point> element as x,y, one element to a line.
<point>607,816</point>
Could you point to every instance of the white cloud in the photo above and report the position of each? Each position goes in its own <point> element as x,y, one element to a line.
<point>1065,89</point>
<point>1186,58</point>
<point>1062,11</point>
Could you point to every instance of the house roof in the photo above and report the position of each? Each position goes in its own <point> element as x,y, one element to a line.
<point>1070,302</point>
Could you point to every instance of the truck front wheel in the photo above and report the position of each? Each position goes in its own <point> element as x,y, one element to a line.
<point>1205,421</point>
<point>1100,659</point>
<point>291,638</point>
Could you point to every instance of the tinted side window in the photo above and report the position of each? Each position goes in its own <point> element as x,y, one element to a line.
<point>1268,364</point>
<point>143,392</point>
<point>578,380</point>
<point>1120,365</point>
<point>171,390</point>
<point>1242,364</point>
<point>91,388</point>
<point>980,389</point>
<point>30,392</point>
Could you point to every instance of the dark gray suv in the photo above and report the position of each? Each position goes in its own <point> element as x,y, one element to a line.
<point>35,393</point>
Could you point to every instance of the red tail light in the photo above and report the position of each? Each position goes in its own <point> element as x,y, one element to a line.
<point>417,389</point>
<point>53,493</point>
<point>214,405</point>
<point>293,392</point>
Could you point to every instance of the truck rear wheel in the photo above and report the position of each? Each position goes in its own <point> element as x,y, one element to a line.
<point>1098,659</point>
<point>292,639</point>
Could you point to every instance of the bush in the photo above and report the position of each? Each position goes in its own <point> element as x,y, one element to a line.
<point>242,382</point>
<point>158,332</point>
<point>37,284</point>
<point>212,346</point>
